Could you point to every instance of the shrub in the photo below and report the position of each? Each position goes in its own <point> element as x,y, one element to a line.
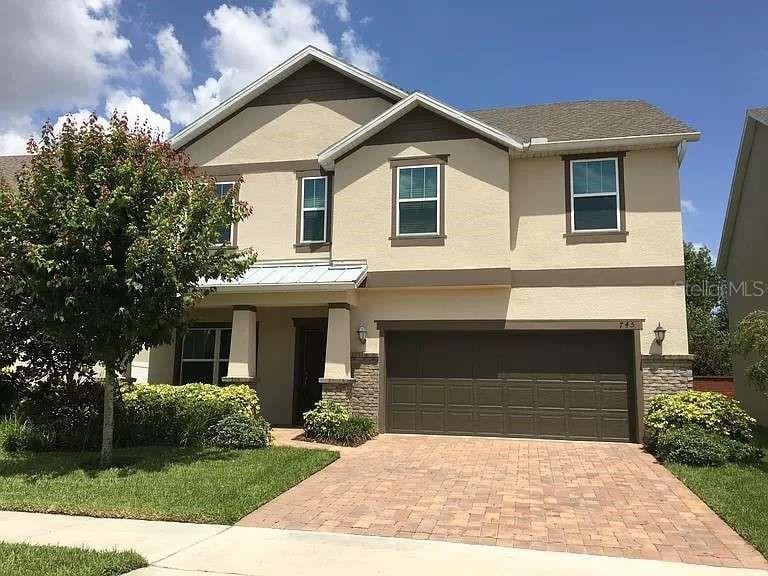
<point>711,411</point>
<point>355,431</point>
<point>18,436</point>
<point>240,431</point>
<point>322,422</point>
<point>68,415</point>
<point>743,453</point>
<point>692,445</point>
<point>332,422</point>
<point>161,414</point>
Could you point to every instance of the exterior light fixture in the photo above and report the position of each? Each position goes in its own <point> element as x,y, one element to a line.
<point>362,333</point>
<point>659,332</point>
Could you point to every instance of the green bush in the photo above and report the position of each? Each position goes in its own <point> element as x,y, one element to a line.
<point>743,453</point>
<point>322,422</point>
<point>161,414</point>
<point>711,411</point>
<point>18,436</point>
<point>331,422</point>
<point>240,431</point>
<point>692,445</point>
<point>355,431</point>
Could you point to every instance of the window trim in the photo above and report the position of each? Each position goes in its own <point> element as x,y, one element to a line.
<point>233,226</point>
<point>216,360</point>
<point>302,210</point>
<point>617,234</point>
<point>418,238</point>
<point>313,246</point>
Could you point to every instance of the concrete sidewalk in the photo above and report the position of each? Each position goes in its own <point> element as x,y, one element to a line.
<point>175,549</point>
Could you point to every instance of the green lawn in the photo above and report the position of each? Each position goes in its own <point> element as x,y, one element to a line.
<point>214,486</point>
<point>738,494</point>
<point>28,560</point>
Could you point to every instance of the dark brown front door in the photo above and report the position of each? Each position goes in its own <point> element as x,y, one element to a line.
<point>566,385</point>
<point>310,365</point>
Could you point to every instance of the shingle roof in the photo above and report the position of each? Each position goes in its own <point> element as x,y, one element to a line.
<point>583,120</point>
<point>760,114</point>
<point>10,166</point>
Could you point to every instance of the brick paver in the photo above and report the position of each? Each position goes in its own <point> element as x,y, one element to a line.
<point>584,497</point>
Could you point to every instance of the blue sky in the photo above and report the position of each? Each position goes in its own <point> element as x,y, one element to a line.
<point>168,60</point>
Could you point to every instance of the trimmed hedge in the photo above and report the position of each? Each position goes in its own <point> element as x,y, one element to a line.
<point>240,431</point>
<point>162,414</point>
<point>332,422</point>
<point>700,429</point>
<point>710,411</point>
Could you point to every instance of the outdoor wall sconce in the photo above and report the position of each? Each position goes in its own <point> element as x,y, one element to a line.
<point>362,333</point>
<point>659,332</point>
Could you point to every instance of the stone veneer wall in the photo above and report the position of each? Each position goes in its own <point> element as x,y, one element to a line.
<point>361,393</point>
<point>666,374</point>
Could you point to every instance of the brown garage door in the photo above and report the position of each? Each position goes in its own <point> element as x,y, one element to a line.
<point>566,385</point>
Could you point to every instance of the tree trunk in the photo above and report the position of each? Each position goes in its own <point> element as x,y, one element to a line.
<point>109,416</point>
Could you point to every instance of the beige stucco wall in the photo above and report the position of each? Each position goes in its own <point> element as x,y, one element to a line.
<point>537,215</point>
<point>476,207</point>
<point>748,262</point>
<point>283,132</point>
<point>654,304</point>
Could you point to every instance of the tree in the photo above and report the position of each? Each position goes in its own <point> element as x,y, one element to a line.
<point>105,241</point>
<point>751,340</point>
<point>707,313</point>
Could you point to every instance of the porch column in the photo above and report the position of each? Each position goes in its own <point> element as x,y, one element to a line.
<point>242,347</point>
<point>337,349</point>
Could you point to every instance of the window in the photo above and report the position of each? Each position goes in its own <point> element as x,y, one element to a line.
<point>417,200</point>
<point>205,355</point>
<point>595,195</point>
<point>314,209</point>
<point>225,232</point>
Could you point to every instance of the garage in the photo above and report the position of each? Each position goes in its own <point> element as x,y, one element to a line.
<point>574,384</point>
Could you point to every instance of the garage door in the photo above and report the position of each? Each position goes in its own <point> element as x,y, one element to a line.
<point>564,385</point>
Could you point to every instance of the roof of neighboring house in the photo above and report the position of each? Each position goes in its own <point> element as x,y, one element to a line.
<point>584,120</point>
<point>10,166</point>
<point>755,116</point>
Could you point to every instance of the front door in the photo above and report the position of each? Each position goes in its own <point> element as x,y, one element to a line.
<point>310,365</point>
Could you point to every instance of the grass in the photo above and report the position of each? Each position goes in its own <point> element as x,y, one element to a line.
<point>28,560</point>
<point>187,485</point>
<point>739,494</point>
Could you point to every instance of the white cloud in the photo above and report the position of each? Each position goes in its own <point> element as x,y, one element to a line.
<point>246,43</point>
<point>137,111</point>
<point>59,54</point>
<point>688,207</point>
<point>78,117</point>
<point>18,131</point>
<point>174,71</point>
<point>358,54</point>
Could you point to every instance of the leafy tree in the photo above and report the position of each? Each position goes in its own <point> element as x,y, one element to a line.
<point>707,313</point>
<point>751,340</point>
<point>105,241</point>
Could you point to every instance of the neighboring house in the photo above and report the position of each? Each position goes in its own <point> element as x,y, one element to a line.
<point>495,272</point>
<point>743,257</point>
<point>9,166</point>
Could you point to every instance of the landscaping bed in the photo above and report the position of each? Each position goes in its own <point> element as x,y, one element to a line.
<point>156,483</point>
<point>28,560</point>
<point>739,494</point>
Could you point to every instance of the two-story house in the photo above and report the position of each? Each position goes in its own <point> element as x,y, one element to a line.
<point>494,272</point>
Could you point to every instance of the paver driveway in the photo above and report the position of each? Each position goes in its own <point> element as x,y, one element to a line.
<point>611,499</point>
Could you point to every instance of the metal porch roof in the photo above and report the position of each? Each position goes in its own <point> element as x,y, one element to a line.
<point>296,275</point>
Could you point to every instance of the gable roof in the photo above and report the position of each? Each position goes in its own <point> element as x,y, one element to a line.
<point>238,100</point>
<point>755,117</point>
<point>328,156</point>
<point>10,166</point>
<point>583,120</point>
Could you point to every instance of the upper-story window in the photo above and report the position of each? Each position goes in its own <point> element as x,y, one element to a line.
<point>418,201</point>
<point>595,195</point>
<point>225,232</point>
<point>314,209</point>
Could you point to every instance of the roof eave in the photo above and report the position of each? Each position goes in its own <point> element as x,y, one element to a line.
<point>327,157</point>
<point>273,77</point>
<point>734,197</point>
<point>276,288</point>
<point>616,141</point>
